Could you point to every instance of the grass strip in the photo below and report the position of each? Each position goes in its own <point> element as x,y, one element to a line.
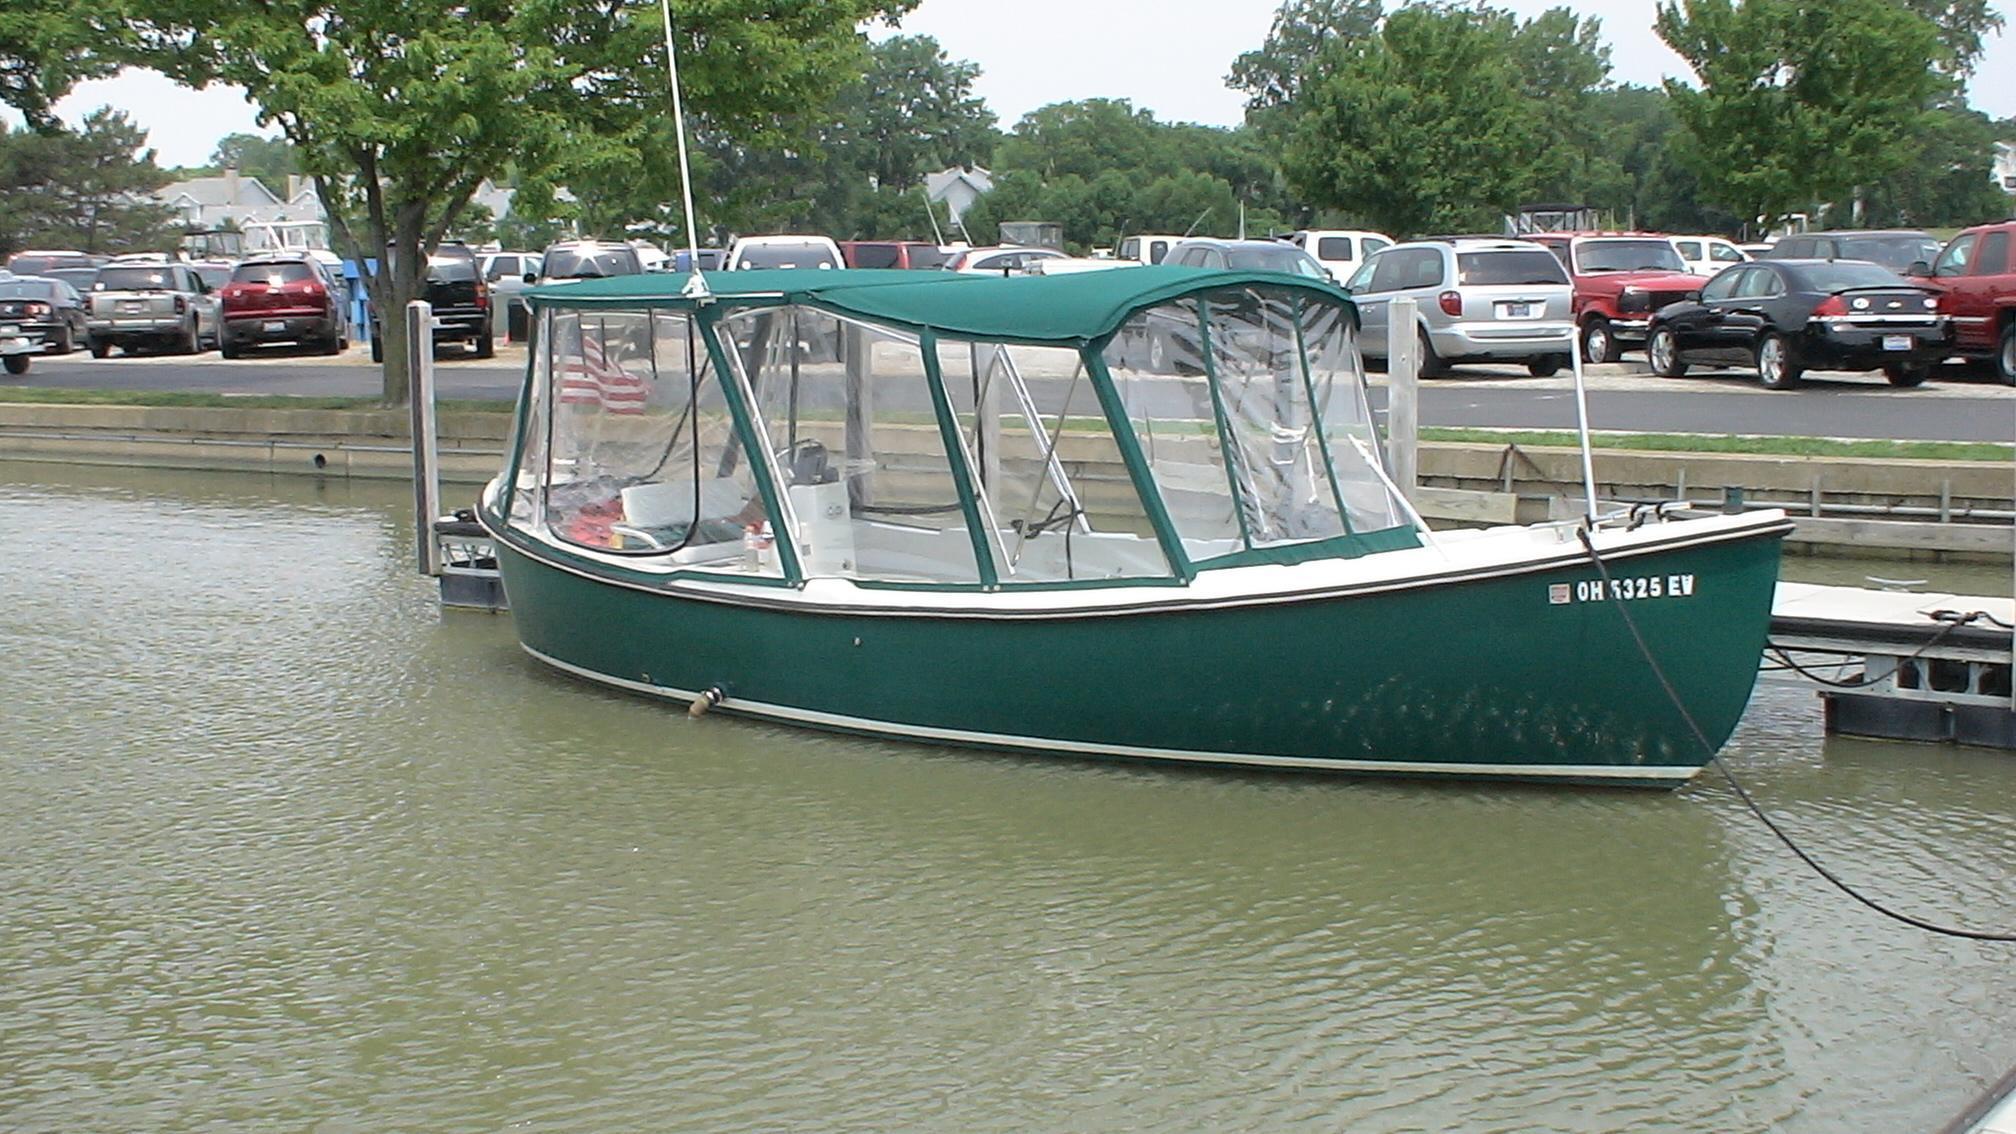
<point>49,395</point>
<point>1730,443</point>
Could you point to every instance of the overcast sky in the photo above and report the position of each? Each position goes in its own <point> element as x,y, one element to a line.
<point>1169,56</point>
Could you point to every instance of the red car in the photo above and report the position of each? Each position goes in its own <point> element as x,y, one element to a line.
<point>280,300</point>
<point>1976,274</point>
<point>1620,279</point>
<point>911,254</point>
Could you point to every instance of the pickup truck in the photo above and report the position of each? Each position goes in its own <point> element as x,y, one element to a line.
<point>1620,279</point>
<point>1976,277</point>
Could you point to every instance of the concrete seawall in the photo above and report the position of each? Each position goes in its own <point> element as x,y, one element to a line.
<point>1943,507</point>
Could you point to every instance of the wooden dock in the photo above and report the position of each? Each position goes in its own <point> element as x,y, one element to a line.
<point>1932,666</point>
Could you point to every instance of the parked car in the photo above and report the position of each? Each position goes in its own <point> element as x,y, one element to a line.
<point>38,316</point>
<point>1001,260</point>
<point>1895,249</point>
<point>1477,299</point>
<point>461,300</point>
<point>913,255</point>
<point>1340,250</point>
<point>156,304</point>
<point>1146,247</point>
<point>1245,256</point>
<point>1706,255</point>
<point>584,260</point>
<point>1756,251</point>
<point>1786,316</point>
<point>1620,279</point>
<point>78,278</point>
<point>280,298</point>
<point>505,272</point>
<point>1976,274</point>
<point>784,251</point>
<point>711,260</point>
<point>35,261</point>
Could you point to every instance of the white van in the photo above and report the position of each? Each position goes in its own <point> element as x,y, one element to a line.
<point>784,252</point>
<point>1340,250</point>
<point>1145,248</point>
<point>1706,255</point>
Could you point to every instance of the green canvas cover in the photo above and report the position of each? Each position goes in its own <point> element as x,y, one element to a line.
<point>1066,310</point>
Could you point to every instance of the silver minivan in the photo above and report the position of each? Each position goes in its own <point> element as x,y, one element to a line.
<point>1476,299</point>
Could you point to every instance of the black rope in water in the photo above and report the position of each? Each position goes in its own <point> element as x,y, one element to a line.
<point>1951,620</point>
<point>1715,758</point>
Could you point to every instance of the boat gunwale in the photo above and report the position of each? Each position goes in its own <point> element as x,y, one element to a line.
<point>767,594</point>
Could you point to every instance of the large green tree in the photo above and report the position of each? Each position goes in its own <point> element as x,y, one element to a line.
<point>1272,74</point>
<point>399,108</point>
<point>271,160</point>
<point>1799,100</point>
<point>1441,121</point>
<point>46,47</point>
<point>87,189</point>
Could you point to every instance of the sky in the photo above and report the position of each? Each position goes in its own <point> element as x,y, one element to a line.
<point>1169,56</point>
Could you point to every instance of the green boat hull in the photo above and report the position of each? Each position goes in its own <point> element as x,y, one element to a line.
<point>1531,674</point>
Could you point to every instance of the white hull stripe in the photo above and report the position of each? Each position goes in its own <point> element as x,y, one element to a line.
<point>1661,773</point>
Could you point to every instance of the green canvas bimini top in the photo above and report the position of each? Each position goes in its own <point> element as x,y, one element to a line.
<point>1070,309</point>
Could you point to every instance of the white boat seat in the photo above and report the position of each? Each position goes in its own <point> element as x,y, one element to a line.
<point>669,504</point>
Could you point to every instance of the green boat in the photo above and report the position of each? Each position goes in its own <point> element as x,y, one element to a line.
<point>1139,514</point>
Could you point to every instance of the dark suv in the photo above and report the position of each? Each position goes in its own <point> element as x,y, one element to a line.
<point>461,299</point>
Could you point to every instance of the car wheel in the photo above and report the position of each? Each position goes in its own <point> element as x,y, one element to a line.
<point>1663,350</point>
<point>1776,367</point>
<point>1546,366</point>
<point>1598,343</point>
<point>17,364</point>
<point>2005,356</point>
<point>485,345</point>
<point>100,348</point>
<point>1907,373</point>
<point>229,349</point>
<point>66,341</point>
<point>188,342</point>
<point>377,349</point>
<point>1432,365</point>
<point>334,343</point>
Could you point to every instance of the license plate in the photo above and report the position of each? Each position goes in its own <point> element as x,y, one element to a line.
<point>132,308</point>
<point>276,327</point>
<point>1515,310</point>
<point>1896,342</point>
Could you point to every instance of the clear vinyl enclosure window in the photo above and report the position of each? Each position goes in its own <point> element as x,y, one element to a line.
<point>640,454</point>
<point>1055,496</point>
<point>846,412</point>
<point>1250,412</point>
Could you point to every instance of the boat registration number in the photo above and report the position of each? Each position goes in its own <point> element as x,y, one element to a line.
<point>1625,589</point>
<point>1896,342</point>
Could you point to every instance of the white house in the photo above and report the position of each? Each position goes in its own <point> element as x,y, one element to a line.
<point>212,202</point>
<point>2003,171</point>
<point>957,188</point>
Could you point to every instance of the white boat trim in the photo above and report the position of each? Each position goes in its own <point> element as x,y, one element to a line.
<point>1658,773</point>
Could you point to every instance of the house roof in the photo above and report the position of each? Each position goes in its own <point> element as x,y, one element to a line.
<point>212,192</point>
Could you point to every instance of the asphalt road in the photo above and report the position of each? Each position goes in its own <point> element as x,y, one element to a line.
<point>1621,397</point>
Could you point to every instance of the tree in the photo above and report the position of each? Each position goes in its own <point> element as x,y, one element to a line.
<point>87,189</point>
<point>1799,100</point>
<point>1428,125</point>
<point>1963,26</point>
<point>1273,74</point>
<point>46,47</point>
<point>271,160</point>
<point>399,108</point>
<point>913,112</point>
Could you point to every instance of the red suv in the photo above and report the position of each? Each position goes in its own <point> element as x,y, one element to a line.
<point>1976,272</point>
<point>276,300</point>
<point>911,254</point>
<point>1620,279</point>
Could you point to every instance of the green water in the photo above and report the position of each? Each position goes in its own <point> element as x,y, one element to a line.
<point>285,847</point>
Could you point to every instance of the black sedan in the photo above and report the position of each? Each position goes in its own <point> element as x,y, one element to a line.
<point>48,312</point>
<point>1786,316</point>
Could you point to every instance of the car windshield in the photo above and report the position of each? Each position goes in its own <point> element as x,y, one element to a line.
<point>1844,275</point>
<point>27,289</point>
<point>213,276</point>
<point>1292,261</point>
<point>153,278</point>
<point>1535,266</point>
<point>79,278</point>
<point>27,265</point>
<point>876,255</point>
<point>273,274</point>
<point>1895,252</point>
<point>1627,256</point>
<point>802,255</point>
<point>451,269</point>
<point>926,256</point>
<point>579,263</point>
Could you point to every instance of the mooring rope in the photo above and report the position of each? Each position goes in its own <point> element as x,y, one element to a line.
<point>1715,758</point>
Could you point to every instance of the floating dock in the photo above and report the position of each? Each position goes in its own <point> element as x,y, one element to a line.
<point>1932,666</point>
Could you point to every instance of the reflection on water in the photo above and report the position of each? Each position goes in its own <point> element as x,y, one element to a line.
<point>286,847</point>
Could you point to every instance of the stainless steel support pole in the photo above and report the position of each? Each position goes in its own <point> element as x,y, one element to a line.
<point>426,459</point>
<point>1582,423</point>
<point>1403,395</point>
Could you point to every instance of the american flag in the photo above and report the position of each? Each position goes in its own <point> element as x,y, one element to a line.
<point>593,380</point>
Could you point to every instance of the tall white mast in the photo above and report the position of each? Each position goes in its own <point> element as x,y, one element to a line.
<point>696,283</point>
